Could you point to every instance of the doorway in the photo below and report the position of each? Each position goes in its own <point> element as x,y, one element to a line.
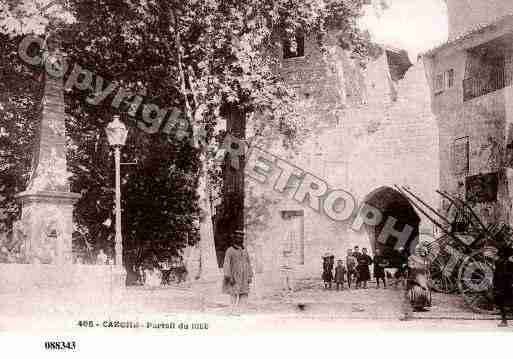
<point>392,203</point>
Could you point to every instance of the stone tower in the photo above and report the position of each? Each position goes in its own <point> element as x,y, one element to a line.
<point>47,203</point>
<point>467,15</point>
<point>370,127</point>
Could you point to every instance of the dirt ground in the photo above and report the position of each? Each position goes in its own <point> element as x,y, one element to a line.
<point>309,307</point>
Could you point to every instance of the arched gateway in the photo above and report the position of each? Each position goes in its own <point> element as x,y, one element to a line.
<point>392,204</point>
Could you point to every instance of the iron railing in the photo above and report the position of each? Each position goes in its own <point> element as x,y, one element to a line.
<point>481,85</point>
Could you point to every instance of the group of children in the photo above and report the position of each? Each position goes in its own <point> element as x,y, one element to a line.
<point>356,269</point>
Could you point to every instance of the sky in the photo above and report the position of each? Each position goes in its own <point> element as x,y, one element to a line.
<point>414,25</point>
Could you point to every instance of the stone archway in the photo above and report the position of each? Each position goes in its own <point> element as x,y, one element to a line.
<point>392,203</point>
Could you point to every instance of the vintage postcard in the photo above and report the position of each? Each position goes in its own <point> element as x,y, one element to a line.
<point>210,166</point>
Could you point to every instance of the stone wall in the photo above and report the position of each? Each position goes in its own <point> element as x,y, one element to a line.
<point>30,277</point>
<point>380,132</point>
<point>483,121</point>
<point>315,76</point>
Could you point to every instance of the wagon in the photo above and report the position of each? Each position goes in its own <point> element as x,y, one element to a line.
<point>462,259</point>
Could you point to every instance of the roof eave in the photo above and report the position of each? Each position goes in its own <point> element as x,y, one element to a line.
<point>479,29</point>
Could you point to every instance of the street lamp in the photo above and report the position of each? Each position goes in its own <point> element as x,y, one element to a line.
<point>116,135</point>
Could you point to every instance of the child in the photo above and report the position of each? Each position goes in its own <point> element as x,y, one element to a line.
<point>351,267</point>
<point>340,273</point>
<point>327,271</point>
<point>380,264</point>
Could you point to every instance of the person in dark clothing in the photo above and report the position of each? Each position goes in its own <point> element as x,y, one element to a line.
<point>418,292</point>
<point>364,261</point>
<point>356,255</point>
<point>351,267</point>
<point>379,268</point>
<point>238,273</point>
<point>327,270</point>
<point>340,274</point>
<point>503,283</point>
<point>356,252</point>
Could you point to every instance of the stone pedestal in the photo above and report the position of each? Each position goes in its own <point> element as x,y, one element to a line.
<point>47,219</point>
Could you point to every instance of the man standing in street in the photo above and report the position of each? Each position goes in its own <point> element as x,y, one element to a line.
<point>503,282</point>
<point>364,261</point>
<point>238,273</point>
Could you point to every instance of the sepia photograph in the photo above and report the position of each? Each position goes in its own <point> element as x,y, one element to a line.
<point>184,168</point>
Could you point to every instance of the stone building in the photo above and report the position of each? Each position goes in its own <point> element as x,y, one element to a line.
<point>470,78</point>
<point>373,128</point>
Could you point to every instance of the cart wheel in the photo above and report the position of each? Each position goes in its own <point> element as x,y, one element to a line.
<point>442,280</point>
<point>475,282</point>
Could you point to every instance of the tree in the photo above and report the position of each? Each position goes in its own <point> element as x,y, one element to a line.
<point>196,56</point>
<point>19,17</point>
<point>19,102</point>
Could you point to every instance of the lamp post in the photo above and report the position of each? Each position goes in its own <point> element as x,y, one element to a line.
<point>116,135</point>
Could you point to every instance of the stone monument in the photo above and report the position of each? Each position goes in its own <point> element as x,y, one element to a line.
<point>47,203</point>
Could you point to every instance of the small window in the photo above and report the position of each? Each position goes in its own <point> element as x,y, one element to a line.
<point>297,49</point>
<point>460,159</point>
<point>293,240</point>
<point>450,78</point>
<point>439,83</point>
<point>444,81</point>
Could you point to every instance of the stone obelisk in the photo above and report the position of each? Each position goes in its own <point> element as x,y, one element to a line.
<point>47,203</point>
